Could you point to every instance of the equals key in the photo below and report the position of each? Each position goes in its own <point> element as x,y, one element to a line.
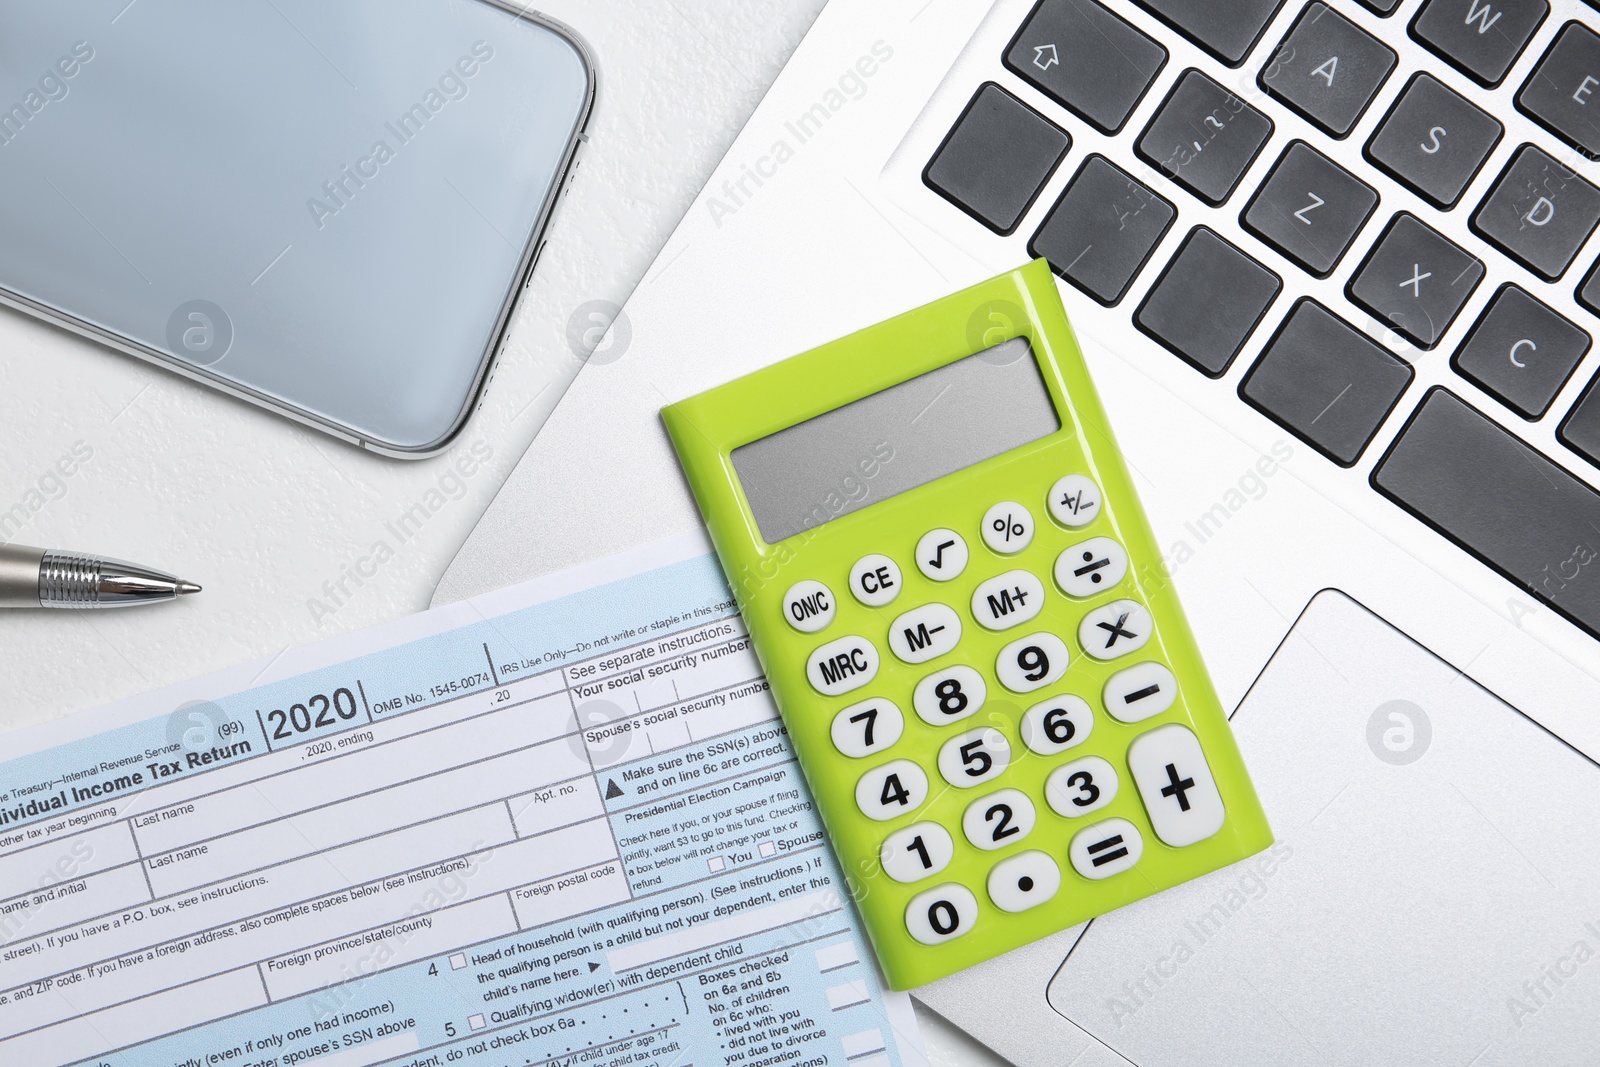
<point>1140,692</point>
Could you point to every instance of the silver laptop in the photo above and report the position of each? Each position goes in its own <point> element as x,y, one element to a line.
<point>1333,265</point>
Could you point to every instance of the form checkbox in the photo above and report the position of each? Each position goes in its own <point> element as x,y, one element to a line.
<point>458,961</point>
<point>716,863</point>
<point>476,1022</point>
<point>767,848</point>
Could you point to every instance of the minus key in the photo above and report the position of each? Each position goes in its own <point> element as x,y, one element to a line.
<point>1140,692</point>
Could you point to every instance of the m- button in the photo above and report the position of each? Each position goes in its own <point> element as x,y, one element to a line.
<point>842,665</point>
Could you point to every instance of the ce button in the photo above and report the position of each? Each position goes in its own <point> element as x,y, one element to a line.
<point>875,580</point>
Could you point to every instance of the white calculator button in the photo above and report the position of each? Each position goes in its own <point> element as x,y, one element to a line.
<point>1075,500</point>
<point>1082,786</point>
<point>1091,567</point>
<point>941,913</point>
<point>919,851</point>
<point>1023,881</point>
<point>875,580</point>
<point>1032,662</point>
<point>808,606</point>
<point>1002,818</point>
<point>1175,784</point>
<point>842,665</point>
<point>1139,692</point>
<point>1106,848</point>
<point>868,727</point>
<point>974,757</point>
<point>1115,629</point>
<point>1008,600</point>
<point>897,788</point>
<point>941,555</point>
<point>1008,527</point>
<point>949,695</point>
<point>1056,725</point>
<point>925,633</point>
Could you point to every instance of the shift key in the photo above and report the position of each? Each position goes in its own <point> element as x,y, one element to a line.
<point>1502,501</point>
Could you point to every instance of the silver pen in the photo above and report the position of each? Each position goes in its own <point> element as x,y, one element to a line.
<point>38,578</point>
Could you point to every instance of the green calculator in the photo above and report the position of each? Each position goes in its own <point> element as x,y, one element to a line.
<point>967,626</point>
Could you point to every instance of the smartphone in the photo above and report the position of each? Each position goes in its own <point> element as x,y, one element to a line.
<point>325,207</point>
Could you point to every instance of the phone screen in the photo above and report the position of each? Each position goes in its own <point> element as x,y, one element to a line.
<point>329,207</point>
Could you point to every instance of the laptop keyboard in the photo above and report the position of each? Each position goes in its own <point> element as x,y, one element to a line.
<point>1318,375</point>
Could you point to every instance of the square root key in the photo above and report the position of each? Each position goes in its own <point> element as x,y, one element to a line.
<point>1326,383</point>
<point>1328,69</point>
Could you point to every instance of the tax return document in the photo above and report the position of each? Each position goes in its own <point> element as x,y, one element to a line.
<point>560,824</point>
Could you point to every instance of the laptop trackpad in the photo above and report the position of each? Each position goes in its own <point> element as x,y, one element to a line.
<point>1434,895</point>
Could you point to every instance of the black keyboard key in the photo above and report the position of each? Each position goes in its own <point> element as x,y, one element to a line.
<point>1521,352</point>
<point>1326,383</point>
<point>1382,7</point>
<point>1204,138</point>
<point>996,158</point>
<point>1102,230</point>
<point>1539,212</point>
<point>1480,37</point>
<point>1580,431</point>
<point>1328,69</point>
<point>1207,301</point>
<point>1086,59</point>
<point>1589,291</point>
<point>1415,280</point>
<point>1310,208</point>
<point>1228,29</point>
<point>1434,141</point>
<point>1500,500</point>
<point>1559,95</point>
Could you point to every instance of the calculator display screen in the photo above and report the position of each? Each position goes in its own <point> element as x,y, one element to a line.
<point>898,439</point>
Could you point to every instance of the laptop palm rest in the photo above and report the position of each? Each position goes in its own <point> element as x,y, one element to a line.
<point>1434,895</point>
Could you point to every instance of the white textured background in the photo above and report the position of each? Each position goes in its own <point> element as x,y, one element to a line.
<point>262,512</point>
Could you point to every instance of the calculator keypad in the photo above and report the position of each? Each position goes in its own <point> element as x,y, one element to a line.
<point>1084,785</point>
<point>1091,567</point>
<point>999,820</point>
<point>1175,784</point>
<point>925,633</point>
<point>1008,600</point>
<point>941,913</point>
<point>1139,692</point>
<point>1032,662</point>
<point>868,727</point>
<point>875,580</point>
<point>1008,528</point>
<point>1116,629</point>
<point>892,790</point>
<point>918,851</point>
<point>941,555</point>
<point>1106,848</point>
<point>1053,726</point>
<point>976,756</point>
<point>1172,779</point>
<point>842,665</point>
<point>948,696</point>
<point>1024,881</point>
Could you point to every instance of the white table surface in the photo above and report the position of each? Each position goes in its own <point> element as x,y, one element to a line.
<point>271,518</point>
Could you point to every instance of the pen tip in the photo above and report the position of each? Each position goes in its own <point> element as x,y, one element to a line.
<point>185,588</point>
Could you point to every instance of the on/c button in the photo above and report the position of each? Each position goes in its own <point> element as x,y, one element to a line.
<point>842,665</point>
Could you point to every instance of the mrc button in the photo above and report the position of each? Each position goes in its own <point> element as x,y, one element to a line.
<point>842,665</point>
